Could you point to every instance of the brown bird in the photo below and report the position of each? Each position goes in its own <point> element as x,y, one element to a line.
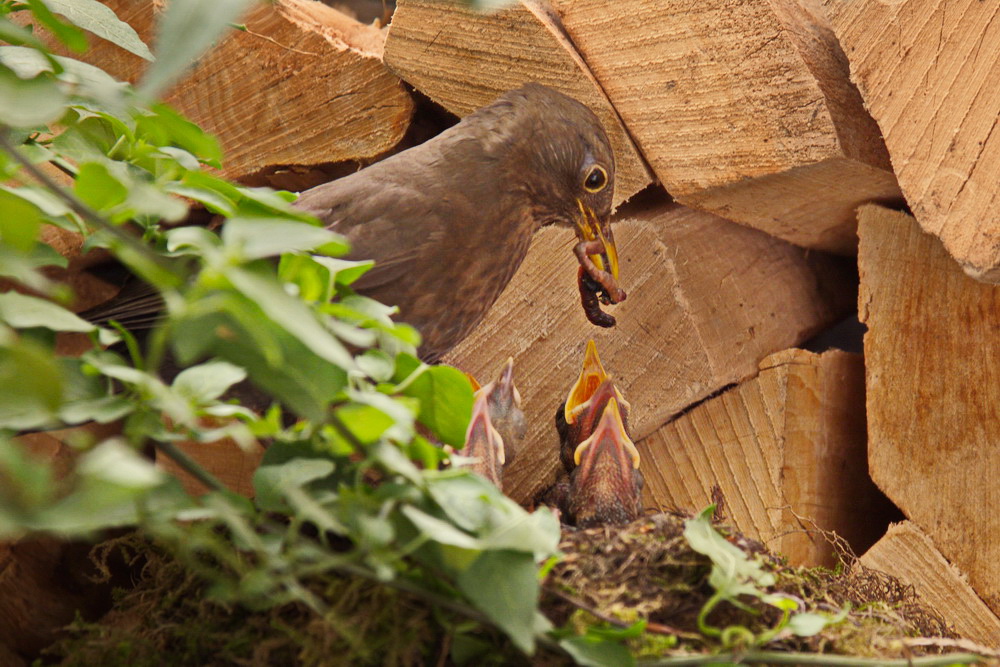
<point>504,401</point>
<point>484,444</point>
<point>606,485</point>
<point>448,222</point>
<point>497,426</point>
<point>579,414</point>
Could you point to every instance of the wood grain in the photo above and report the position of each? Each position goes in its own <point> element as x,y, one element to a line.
<point>907,553</point>
<point>303,85</point>
<point>708,299</point>
<point>787,451</point>
<point>464,59</point>
<point>933,386</point>
<point>929,71</point>
<point>743,109</point>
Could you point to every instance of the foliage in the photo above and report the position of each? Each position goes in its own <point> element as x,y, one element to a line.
<point>353,486</point>
<point>736,575</point>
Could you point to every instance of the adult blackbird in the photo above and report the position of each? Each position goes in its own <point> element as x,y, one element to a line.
<point>448,222</point>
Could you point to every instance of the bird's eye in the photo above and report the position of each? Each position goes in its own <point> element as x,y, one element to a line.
<point>596,179</point>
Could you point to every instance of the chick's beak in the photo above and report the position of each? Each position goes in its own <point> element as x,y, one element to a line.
<point>591,227</point>
<point>591,376</point>
<point>483,442</point>
<point>608,439</point>
<point>505,384</point>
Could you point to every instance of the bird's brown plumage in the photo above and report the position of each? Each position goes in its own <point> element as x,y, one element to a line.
<point>449,222</point>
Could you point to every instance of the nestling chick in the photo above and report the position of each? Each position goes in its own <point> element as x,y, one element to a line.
<point>484,444</point>
<point>579,414</point>
<point>606,486</point>
<point>497,426</point>
<point>505,410</point>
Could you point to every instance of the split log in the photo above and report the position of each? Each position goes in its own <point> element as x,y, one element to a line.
<point>742,109</point>
<point>908,554</point>
<point>45,583</point>
<point>304,85</point>
<point>787,451</point>
<point>708,299</point>
<point>933,384</point>
<point>463,59</point>
<point>928,71</point>
<point>224,459</point>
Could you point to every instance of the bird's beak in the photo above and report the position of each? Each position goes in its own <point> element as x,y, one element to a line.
<point>608,439</point>
<point>591,377</point>
<point>505,384</point>
<point>474,382</point>
<point>590,227</point>
<point>482,440</point>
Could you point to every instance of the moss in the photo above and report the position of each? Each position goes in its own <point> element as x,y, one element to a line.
<point>644,571</point>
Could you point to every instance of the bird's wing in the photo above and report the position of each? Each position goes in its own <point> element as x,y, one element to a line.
<point>390,222</point>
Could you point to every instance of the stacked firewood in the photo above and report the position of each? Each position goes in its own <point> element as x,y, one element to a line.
<point>762,148</point>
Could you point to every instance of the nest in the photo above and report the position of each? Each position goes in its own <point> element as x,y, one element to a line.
<point>608,576</point>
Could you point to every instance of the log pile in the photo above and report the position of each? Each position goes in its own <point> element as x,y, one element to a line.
<point>763,126</point>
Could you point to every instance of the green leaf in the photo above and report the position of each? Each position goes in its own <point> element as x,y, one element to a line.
<point>592,652</point>
<point>438,530</point>
<point>15,34</point>
<point>185,30</point>
<point>19,221</point>
<point>377,365</point>
<point>272,483</point>
<point>252,238</point>
<point>73,78</point>
<point>445,397</point>
<point>33,371</point>
<point>66,33</point>
<point>212,200</point>
<point>27,481</point>
<point>366,423</point>
<point>294,316</point>
<point>161,125</point>
<point>734,573</point>
<point>207,382</point>
<point>29,102</point>
<point>345,271</point>
<point>101,20</point>
<point>503,585</point>
<point>22,311</point>
<point>98,188</point>
<point>231,327</point>
<point>115,463</point>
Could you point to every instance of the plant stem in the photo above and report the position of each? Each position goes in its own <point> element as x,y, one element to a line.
<point>439,600</point>
<point>190,466</point>
<point>82,209</point>
<point>780,658</point>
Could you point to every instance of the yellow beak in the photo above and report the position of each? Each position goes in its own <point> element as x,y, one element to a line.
<point>590,229</point>
<point>591,377</point>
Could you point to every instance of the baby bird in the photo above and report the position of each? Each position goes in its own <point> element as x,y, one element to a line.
<point>497,426</point>
<point>603,482</point>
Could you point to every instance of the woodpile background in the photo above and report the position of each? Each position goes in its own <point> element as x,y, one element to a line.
<point>782,164</point>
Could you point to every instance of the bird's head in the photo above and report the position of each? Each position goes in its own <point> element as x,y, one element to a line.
<point>606,485</point>
<point>579,414</point>
<point>567,166</point>
<point>484,444</point>
<point>504,402</point>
